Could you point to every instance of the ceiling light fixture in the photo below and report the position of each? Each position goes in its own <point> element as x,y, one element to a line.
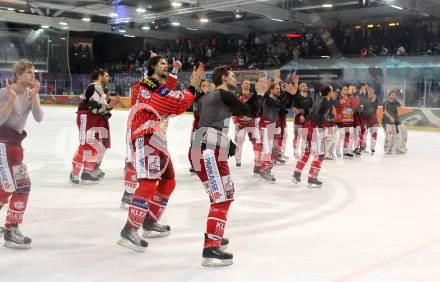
<point>176,4</point>
<point>327,5</point>
<point>128,35</point>
<point>175,24</point>
<point>122,30</point>
<point>396,7</point>
<point>141,10</point>
<point>145,27</point>
<point>44,26</point>
<point>113,14</point>
<point>85,19</point>
<point>203,20</point>
<point>277,20</point>
<point>64,23</point>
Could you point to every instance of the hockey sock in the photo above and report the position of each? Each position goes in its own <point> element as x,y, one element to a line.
<point>160,199</point>
<point>215,226</point>
<point>138,207</point>
<point>17,206</point>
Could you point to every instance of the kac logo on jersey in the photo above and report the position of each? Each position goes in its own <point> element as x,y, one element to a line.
<point>146,94</point>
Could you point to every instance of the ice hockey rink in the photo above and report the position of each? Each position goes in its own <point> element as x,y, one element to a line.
<point>375,219</point>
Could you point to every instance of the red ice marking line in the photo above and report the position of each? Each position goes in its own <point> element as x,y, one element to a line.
<point>390,260</point>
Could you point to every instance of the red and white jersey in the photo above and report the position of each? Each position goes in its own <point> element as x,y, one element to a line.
<point>154,104</point>
<point>345,111</point>
<point>244,121</point>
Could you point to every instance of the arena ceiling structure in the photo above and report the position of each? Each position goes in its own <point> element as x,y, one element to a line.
<point>168,19</point>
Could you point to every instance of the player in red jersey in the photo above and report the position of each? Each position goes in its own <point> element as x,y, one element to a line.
<point>156,103</point>
<point>246,125</point>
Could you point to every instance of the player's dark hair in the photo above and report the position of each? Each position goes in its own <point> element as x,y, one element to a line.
<point>325,91</point>
<point>217,75</point>
<point>152,62</point>
<point>96,73</point>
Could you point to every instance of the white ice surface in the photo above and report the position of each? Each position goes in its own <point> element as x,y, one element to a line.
<point>375,219</point>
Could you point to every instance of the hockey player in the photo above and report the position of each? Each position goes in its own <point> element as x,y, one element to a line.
<point>209,157</point>
<point>130,180</point>
<point>286,100</point>
<point>94,131</point>
<point>16,102</point>
<point>330,131</point>
<point>392,124</point>
<point>246,125</point>
<point>361,119</point>
<point>345,123</point>
<point>203,90</point>
<point>315,142</point>
<point>355,101</point>
<point>154,168</point>
<point>270,128</point>
<point>370,116</point>
<point>301,106</point>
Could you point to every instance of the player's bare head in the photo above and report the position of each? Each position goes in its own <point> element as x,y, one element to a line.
<point>327,91</point>
<point>158,65</point>
<point>303,87</point>
<point>24,72</point>
<point>352,89</point>
<point>344,90</point>
<point>101,76</point>
<point>274,89</point>
<point>246,85</point>
<point>224,76</point>
<point>204,86</point>
<point>392,95</point>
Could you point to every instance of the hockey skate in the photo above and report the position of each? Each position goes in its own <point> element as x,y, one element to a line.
<point>329,157</point>
<point>348,156</point>
<point>267,177</point>
<point>130,239</point>
<point>153,229</point>
<point>314,183</point>
<point>191,170</point>
<point>98,172</point>
<point>296,178</point>
<point>216,257</point>
<point>224,245</point>
<point>256,170</point>
<point>126,200</point>
<point>281,161</point>
<point>357,152</point>
<point>74,179</point>
<point>2,231</point>
<point>238,164</point>
<point>88,178</point>
<point>15,240</point>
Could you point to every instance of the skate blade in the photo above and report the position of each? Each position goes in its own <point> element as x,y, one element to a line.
<point>12,245</point>
<point>154,234</point>
<point>74,184</point>
<point>89,182</point>
<point>267,181</point>
<point>314,186</point>
<point>129,245</point>
<point>124,206</point>
<point>295,181</point>
<point>213,262</point>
